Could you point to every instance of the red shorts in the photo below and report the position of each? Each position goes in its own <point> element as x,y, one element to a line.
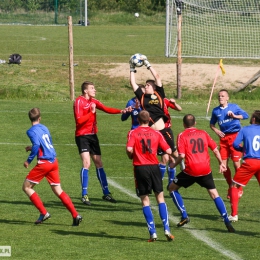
<point>226,148</point>
<point>45,169</point>
<point>246,171</point>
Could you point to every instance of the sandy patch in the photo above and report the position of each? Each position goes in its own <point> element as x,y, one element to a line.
<point>193,75</point>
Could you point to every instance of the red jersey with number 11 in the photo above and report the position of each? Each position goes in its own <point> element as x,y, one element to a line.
<point>145,142</point>
<point>194,144</point>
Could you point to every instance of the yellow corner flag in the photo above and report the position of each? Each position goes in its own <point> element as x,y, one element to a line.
<point>222,67</point>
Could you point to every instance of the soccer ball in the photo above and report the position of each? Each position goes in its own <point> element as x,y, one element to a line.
<point>137,60</point>
<point>136,15</point>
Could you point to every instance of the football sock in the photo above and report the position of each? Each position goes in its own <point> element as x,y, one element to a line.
<point>35,199</point>
<point>162,169</point>
<point>64,197</point>
<point>234,198</point>
<point>84,181</point>
<point>164,215</point>
<point>101,175</point>
<point>228,177</point>
<point>177,199</point>
<point>221,208</point>
<point>149,219</point>
<point>171,174</point>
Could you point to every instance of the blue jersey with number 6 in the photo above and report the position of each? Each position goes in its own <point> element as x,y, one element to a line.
<point>42,146</point>
<point>250,136</point>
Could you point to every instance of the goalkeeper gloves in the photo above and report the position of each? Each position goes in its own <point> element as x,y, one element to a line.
<point>147,64</point>
<point>132,67</point>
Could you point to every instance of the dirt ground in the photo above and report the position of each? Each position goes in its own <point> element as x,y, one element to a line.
<point>194,76</point>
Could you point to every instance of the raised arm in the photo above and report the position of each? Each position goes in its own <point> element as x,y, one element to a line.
<point>156,76</point>
<point>132,76</point>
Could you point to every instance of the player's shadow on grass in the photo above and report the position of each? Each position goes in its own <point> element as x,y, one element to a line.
<point>16,202</point>
<point>127,223</point>
<point>23,222</point>
<point>100,235</point>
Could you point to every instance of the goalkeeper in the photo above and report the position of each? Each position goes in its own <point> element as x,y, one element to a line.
<point>152,100</point>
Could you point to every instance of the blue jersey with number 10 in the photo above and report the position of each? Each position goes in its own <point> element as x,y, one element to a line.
<point>41,143</point>
<point>250,136</point>
<point>226,123</point>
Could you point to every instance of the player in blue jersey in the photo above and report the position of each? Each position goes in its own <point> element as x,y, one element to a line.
<point>228,117</point>
<point>136,108</point>
<point>250,137</point>
<point>47,166</point>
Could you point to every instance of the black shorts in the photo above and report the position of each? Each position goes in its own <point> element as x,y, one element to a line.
<point>88,143</point>
<point>148,178</point>
<point>168,136</point>
<point>185,180</point>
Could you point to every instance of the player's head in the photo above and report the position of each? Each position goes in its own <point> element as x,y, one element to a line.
<point>255,118</point>
<point>150,86</point>
<point>34,114</point>
<point>189,120</point>
<point>143,117</point>
<point>223,97</point>
<point>88,88</point>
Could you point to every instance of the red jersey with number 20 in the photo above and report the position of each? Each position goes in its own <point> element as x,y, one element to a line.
<point>194,144</point>
<point>145,142</point>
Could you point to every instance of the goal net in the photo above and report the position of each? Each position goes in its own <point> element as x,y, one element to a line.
<point>214,28</point>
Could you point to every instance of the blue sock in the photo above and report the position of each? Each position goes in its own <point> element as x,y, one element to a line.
<point>164,215</point>
<point>221,208</point>
<point>162,169</point>
<point>84,181</point>
<point>149,219</point>
<point>177,199</point>
<point>101,175</point>
<point>171,174</point>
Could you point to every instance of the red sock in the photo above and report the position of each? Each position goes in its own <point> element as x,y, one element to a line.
<point>64,197</point>
<point>234,201</point>
<point>227,175</point>
<point>35,199</point>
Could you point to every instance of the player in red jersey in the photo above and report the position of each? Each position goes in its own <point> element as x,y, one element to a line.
<point>86,138</point>
<point>193,145</point>
<point>47,166</point>
<point>141,147</point>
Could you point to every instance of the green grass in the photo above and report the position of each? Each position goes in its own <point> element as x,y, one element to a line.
<point>111,231</point>
<point>107,231</point>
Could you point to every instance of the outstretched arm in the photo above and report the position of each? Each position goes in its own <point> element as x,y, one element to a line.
<point>174,105</point>
<point>132,80</point>
<point>156,76</point>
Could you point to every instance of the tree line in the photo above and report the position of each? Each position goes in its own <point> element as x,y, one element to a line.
<point>145,6</point>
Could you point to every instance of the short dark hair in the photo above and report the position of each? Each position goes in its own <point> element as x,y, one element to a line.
<point>224,90</point>
<point>141,85</point>
<point>189,120</point>
<point>85,85</point>
<point>152,83</point>
<point>256,116</point>
<point>143,117</point>
<point>34,114</point>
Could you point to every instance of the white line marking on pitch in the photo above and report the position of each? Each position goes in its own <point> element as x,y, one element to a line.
<point>198,234</point>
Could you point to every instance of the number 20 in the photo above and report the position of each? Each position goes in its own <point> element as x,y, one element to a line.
<point>197,145</point>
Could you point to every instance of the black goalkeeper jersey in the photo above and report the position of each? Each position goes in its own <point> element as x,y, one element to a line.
<point>153,103</point>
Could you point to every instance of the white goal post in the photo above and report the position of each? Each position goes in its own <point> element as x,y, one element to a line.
<point>214,28</point>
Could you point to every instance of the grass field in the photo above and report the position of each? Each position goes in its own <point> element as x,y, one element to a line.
<point>108,231</point>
